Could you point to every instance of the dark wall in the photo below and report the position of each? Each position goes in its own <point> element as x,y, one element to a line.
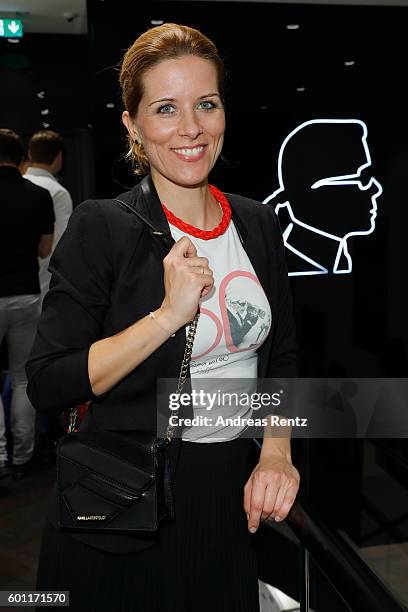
<point>54,64</point>
<point>45,72</point>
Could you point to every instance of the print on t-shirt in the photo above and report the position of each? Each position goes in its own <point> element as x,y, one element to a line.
<point>248,323</point>
<point>235,318</point>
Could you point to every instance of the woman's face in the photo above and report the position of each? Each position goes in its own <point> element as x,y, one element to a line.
<point>180,120</point>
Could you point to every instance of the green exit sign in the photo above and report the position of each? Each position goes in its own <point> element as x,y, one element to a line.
<point>11,28</point>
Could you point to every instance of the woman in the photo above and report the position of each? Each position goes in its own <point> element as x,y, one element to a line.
<point>97,342</point>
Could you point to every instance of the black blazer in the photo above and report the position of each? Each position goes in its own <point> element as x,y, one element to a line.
<point>107,272</point>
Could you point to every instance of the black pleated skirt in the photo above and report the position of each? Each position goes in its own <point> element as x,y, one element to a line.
<point>202,561</point>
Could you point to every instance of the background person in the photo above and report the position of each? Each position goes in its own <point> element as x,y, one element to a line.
<point>26,232</point>
<point>45,154</point>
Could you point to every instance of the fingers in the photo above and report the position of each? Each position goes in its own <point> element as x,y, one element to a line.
<point>247,497</point>
<point>258,489</point>
<point>199,265</point>
<point>281,512</point>
<point>185,251</point>
<point>186,276</point>
<point>279,499</point>
<point>269,494</point>
<point>184,247</point>
<point>201,262</point>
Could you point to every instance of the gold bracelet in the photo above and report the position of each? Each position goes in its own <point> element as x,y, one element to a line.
<point>154,317</point>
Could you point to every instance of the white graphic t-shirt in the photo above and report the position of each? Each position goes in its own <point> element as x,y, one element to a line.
<point>235,319</point>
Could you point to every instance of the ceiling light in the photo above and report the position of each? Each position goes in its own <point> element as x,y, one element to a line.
<point>293,26</point>
<point>349,63</point>
<point>110,105</point>
<point>156,22</point>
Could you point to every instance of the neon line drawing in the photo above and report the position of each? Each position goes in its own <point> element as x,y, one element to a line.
<point>357,188</point>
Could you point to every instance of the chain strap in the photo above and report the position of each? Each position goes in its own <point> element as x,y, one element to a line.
<point>171,429</point>
<point>73,415</point>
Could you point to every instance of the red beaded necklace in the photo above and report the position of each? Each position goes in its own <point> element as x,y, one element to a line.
<point>195,231</point>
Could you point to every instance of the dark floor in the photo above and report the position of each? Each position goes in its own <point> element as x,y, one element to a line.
<point>22,514</point>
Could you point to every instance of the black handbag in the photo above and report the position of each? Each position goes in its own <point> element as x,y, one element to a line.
<point>117,481</point>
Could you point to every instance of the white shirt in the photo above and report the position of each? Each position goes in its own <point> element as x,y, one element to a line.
<point>235,319</point>
<point>62,208</point>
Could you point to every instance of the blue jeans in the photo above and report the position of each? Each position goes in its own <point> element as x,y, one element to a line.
<point>19,316</point>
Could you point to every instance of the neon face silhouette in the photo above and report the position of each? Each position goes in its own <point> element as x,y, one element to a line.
<point>322,214</point>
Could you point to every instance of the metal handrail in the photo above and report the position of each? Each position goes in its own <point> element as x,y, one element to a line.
<point>357,584</point>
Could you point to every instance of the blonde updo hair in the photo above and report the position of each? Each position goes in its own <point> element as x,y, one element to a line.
<point>167,41</point>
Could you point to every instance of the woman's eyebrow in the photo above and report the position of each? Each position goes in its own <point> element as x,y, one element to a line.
<point>162,100</point>
<point>209,95</point>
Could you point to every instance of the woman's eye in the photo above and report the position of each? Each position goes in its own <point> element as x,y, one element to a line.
<point>168,109</point>
<point>210,104</point>
<point>165,108</point>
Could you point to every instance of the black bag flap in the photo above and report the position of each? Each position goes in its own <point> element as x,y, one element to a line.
<point>115,492</point>
<point>121,459</point>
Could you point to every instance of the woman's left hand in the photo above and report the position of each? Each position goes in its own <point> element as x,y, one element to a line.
<point>271,490</point>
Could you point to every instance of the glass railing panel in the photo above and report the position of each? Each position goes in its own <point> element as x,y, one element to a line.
<point>359,487</point>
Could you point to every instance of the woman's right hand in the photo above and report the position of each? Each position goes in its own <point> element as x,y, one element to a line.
<point>184,281</point>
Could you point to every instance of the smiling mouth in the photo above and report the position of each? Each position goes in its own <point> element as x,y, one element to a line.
<point>190,152</point>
